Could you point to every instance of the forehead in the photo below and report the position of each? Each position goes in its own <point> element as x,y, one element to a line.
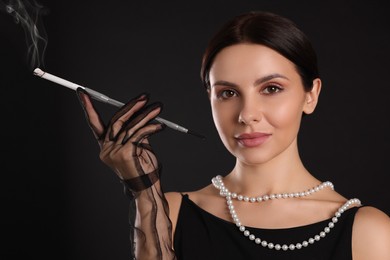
<point>249,62</point>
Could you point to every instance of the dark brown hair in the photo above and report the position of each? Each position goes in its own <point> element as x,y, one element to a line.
<point>268,29</point>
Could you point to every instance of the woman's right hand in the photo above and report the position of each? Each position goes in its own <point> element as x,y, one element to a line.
<point>124,144</point>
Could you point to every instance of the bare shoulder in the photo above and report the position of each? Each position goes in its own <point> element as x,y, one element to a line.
<point>371,234</point>
<point>174,202</point>
<point>174,199</point>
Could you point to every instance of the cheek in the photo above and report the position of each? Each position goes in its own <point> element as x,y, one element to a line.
<point>285,114</point>
<point>219,116</point>
<point>223,116</point>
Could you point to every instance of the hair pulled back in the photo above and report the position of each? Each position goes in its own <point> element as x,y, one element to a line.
<point>268,29</point>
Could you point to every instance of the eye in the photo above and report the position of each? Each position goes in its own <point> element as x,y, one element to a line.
<point>227,93</point>
<point>271,89</point>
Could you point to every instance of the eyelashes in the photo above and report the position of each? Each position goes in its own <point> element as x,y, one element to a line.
<point>267,90</point>
<point>272,89</point>
<point>226,93</point>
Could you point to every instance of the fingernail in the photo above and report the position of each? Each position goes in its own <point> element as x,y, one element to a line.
<point>163,126</point>
<point>142,96</point>
<point>157,104</point>
<point>81,95</point>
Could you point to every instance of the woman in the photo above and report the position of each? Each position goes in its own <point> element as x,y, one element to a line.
<point>261,75</point>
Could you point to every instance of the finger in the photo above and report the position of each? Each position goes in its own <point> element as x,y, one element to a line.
<point>145,158</point>
<point>120,117</point>
<point>93,118</point>
<point>140,137</point>
<point>131,153</point>
<point>142,118</point>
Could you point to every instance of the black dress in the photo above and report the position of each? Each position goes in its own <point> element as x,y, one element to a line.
<point>201,235</point>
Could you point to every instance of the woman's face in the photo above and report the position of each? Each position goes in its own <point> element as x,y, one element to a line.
<point>257,100</point>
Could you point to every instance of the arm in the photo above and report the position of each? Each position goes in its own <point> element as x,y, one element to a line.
<point>152,227</point>
<point>125,148</point>
<point>371,235</point>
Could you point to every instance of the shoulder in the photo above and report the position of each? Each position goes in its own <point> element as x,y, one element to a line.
<point>371,234</point>
<point>174,200</point>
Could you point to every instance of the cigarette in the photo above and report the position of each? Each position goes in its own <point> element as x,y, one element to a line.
<point>105,99</point>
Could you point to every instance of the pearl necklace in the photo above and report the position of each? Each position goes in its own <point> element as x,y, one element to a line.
<point>224,192</point>
<point>217,181</point>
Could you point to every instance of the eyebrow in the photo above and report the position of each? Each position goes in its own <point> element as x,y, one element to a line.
<point>257,82</point>
<point>269,77</point>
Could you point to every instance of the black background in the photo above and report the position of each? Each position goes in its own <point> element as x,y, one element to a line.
<point>60,202</point>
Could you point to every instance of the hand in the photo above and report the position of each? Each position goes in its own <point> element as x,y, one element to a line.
<point>124,144</point>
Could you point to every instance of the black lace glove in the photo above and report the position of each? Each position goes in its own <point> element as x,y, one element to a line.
<point>125,148</point>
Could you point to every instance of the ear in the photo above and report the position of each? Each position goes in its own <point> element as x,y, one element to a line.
<point>312,97</point>
<point>208,93</point>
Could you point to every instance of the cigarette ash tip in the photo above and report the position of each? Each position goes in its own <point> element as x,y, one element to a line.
<point>39,72</point>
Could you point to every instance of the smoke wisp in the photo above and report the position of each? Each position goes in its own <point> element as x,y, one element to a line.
<point>28,14</point>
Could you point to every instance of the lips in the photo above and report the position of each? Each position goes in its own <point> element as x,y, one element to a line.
<point>252,139</point>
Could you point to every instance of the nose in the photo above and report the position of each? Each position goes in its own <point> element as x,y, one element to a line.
<point>250,112</point>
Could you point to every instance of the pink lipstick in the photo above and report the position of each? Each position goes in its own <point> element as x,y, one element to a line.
<point>252,139</point>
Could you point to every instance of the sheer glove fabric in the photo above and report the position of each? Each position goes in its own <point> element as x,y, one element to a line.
<point>125,148</point>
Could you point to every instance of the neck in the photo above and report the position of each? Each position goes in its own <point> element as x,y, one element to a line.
<point>283,173</point>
